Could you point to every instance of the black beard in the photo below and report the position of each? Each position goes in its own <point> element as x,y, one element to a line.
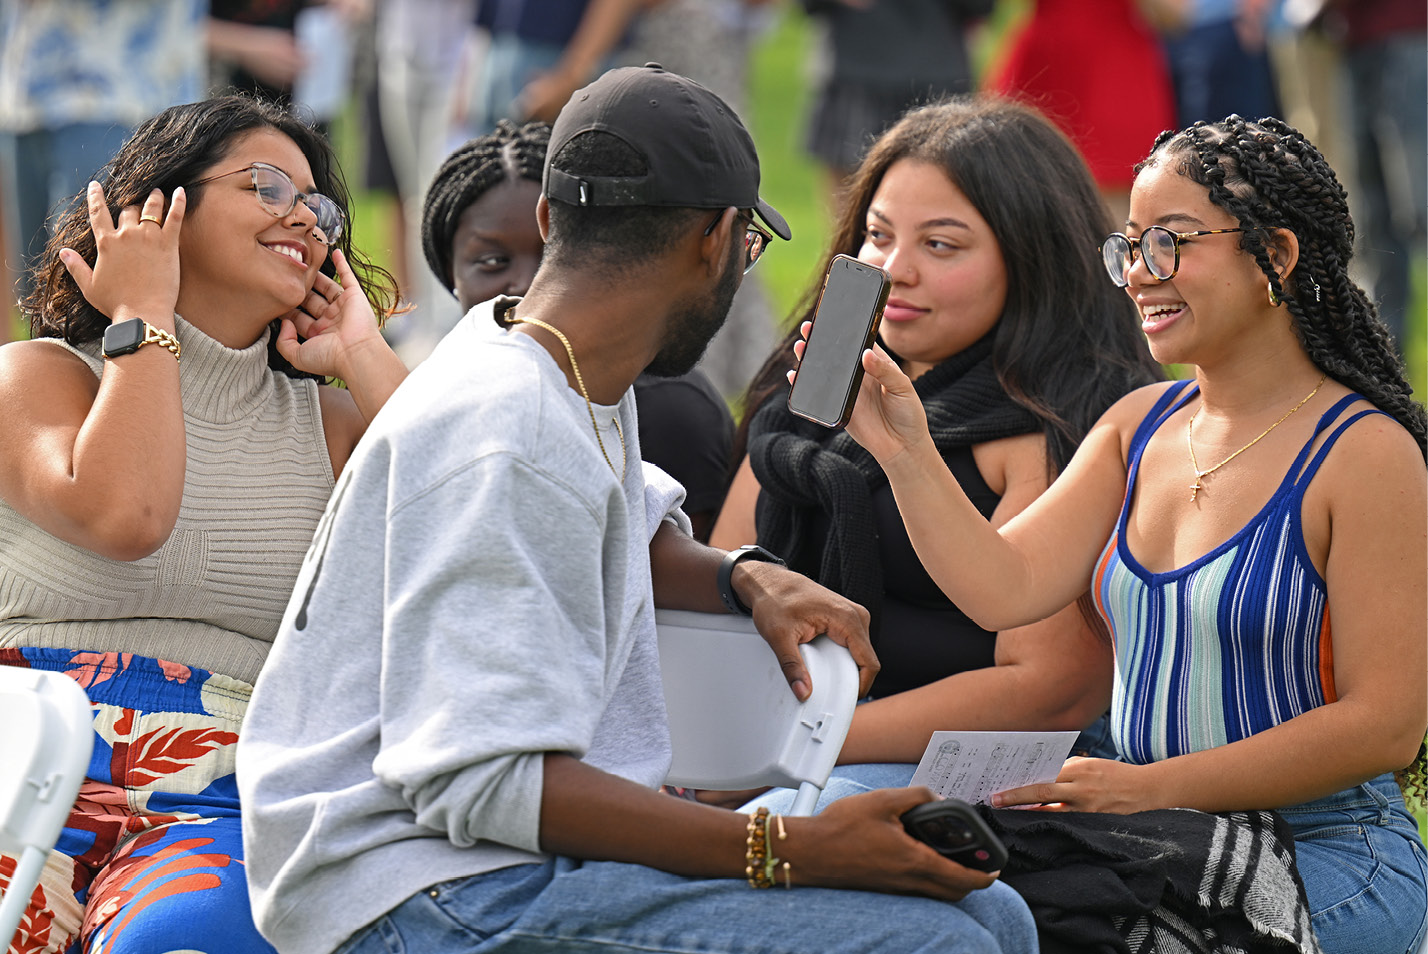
<point>694,324</point>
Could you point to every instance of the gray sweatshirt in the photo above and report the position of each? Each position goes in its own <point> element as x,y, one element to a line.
<point>477,594</point>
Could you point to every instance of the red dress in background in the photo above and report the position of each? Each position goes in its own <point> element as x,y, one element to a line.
<point>1095,67</point>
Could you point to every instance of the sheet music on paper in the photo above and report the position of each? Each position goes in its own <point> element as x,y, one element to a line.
<point>974,765</point>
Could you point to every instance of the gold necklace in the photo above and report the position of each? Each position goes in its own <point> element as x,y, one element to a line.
<point>1196,487</point>
<point>512,318</point>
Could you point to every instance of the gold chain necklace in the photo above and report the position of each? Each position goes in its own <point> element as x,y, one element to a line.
<point>512,319</point>
<point>1196,487</point>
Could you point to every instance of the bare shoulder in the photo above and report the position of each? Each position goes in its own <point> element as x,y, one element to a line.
<point>342,424</point>
<point>1021,461</point>
<point>1375,454</point>
<point>41,373</point>
<point>1124,417</point>
<point>1131,409</point>
<point>1010,462</point>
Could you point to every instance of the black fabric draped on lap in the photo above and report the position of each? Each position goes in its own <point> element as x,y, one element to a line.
<point>826,507</point>
<point>1171,881</point>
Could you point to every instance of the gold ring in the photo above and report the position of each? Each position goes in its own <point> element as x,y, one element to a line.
<point>151,218</point>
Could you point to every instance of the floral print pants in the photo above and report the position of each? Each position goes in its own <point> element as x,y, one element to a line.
<point>151,859</point>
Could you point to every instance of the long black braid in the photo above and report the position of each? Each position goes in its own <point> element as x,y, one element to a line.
<point>1267,175</point>
<point>507,153</point>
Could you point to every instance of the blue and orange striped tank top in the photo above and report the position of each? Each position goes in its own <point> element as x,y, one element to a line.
<point>1234,642</point>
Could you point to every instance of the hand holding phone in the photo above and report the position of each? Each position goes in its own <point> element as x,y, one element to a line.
<point>845,324</point>
<point>955,830</point>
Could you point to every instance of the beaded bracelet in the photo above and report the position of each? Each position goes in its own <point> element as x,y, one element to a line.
<point>756,852</point>
<point>760,866</point>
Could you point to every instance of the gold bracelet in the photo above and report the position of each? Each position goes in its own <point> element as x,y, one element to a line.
<point>162,338</point>
<point>756,851</point>
<point>787,867</point>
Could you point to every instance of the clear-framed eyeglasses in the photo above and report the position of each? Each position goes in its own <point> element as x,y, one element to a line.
<point>277,194</point>
<point>1158,246</point>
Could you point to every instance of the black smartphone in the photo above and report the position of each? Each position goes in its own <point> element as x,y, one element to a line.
<point>955,830</point>
<point>844,326</point>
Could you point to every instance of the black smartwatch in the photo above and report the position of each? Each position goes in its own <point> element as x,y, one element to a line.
<point>126,337</point>
<point>749,551</point>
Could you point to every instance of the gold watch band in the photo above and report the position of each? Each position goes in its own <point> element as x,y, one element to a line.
<point>161,337</point>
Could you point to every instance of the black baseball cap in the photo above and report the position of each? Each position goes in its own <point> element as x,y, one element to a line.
<point>698,153</point>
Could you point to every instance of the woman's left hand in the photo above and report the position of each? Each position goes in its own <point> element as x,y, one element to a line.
<point>1088,785</point>
<point>332,324</point>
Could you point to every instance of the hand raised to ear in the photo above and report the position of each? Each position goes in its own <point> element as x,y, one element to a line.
<point>334,323</point>
<point>136,268</point>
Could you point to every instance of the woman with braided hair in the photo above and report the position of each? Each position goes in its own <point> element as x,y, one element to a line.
<point>1287,477</point>
<point>478,226</point>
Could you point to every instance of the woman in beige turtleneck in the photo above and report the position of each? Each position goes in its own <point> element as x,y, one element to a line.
<point>168,450</point>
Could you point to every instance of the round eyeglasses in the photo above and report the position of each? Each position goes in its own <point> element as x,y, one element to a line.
<point>277,194</point>
<point>756,239</point>
<point>1159,249</point>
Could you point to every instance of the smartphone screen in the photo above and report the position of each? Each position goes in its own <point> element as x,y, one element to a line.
<point>844,325</point>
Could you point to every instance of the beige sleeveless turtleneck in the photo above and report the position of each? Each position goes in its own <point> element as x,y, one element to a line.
<point>258,477</point>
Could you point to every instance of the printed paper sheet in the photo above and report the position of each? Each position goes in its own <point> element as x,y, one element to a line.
<point>973,765</point>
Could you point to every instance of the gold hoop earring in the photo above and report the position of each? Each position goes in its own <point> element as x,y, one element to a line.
<point>1274,300</point>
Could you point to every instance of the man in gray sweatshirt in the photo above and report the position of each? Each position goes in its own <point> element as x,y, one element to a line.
<point>457,741</point>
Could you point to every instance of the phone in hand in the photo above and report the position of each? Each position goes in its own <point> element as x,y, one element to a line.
<point>955,830</point>
<point>844,326</point>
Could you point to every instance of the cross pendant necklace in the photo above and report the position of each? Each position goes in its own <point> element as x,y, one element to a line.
<point>1197,486</point>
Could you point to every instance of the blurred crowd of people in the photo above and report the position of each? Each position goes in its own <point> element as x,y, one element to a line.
<point>435,584</point>
<point>425,76</point>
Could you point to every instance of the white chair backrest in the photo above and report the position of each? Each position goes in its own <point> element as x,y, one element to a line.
<point>733,720</point>
<point>45,742</point>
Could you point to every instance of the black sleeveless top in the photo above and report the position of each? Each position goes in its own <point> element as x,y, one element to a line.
<point>826,507</point>
<point>922,636</point>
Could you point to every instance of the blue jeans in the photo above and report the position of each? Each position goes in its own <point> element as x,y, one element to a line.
<point>1214,75</point>
<point>1364,869</point>
<point>846,780</point>
<point>1358,853</point>
<point>605,907</point>
<point>1390,135</point>
<point>40,172</point>
<point>512,62</point>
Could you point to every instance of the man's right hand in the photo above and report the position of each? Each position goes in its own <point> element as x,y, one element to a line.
<point>859,842</point>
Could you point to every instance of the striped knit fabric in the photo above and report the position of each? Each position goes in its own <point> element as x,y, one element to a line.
<point>258,477</point>
<point>1232,643</point>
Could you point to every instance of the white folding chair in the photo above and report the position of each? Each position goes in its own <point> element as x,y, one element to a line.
<point>733,720</point>
<point>45,742</point>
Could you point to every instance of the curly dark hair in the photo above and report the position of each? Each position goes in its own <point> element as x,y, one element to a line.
<point>1068,342</point>
<point>1268,176</point>
<point>170,150</point>
<point>509,152</point>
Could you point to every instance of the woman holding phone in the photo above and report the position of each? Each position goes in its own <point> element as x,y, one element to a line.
<point>169,451</point>
<point>1219,520</point>
<point>985,220</point>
